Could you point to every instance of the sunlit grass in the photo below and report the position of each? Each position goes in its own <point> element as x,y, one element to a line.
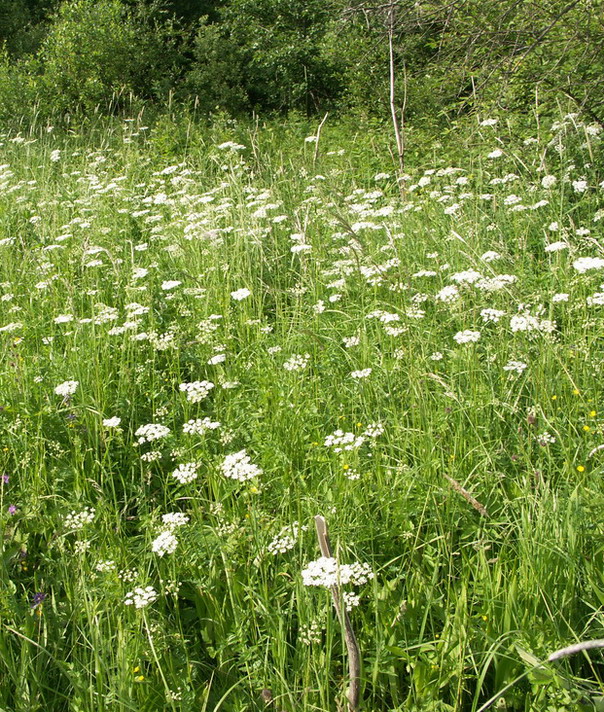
<point>226,330</point>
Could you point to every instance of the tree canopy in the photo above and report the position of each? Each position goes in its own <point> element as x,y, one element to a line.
<point>307,55</point>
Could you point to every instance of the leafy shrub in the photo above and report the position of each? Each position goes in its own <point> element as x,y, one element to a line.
<point>18,88</point>
<point>215,78</point>
<point>96,50</point>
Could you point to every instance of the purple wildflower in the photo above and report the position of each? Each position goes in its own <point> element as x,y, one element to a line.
<point>37,599</point>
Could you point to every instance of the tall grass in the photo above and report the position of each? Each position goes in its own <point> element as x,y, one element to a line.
<point>121,250</point>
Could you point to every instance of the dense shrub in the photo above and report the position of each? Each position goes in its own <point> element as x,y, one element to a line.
<point>282,45</point>
<point>18,88</point>
<point>215,78</point>
<point>97,50</point>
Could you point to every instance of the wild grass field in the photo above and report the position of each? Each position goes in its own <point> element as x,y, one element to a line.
<point>210,335</point>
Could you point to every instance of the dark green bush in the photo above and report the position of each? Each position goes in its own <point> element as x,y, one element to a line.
<point>215,79</point>
<point>100,50</point>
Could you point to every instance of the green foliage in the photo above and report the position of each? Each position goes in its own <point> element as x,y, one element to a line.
<point>18,89</point>
<point>281,43</point>
<point>121,251</point>
<point>284,55</point>
<point>23,25</point>
<point>214,80</point>
<point>97,52</point>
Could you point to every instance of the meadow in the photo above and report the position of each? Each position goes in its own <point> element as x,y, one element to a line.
<point>212,334</point>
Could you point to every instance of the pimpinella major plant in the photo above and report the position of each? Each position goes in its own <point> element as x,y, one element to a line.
<point>207,343</point>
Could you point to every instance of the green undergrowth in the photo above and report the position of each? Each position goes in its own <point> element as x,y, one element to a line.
<point>417,358</point>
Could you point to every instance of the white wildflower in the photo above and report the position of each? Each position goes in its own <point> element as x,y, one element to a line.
<point>238,466</point>
<point>14,326</point>
<point>165,543</point>
<point>150,432</point>
<point>364,373</point>
<point>596,299</point>
<point>584,264</point>
<point>468,276</point>
<point>491,315</point>
<point>340,441</point>
<point>447,294</point>
<point>297,362</point>
<point>230,146</point>
<point>67,388</point>
<point>167,285</point>
<point>286,539</point>
<point>141,597</point>
<point>151,456</point>
<point>466,337</point>
<point>545,438</point>
<point>173,520</point>
<point>556,246</point>
<point>517,366</point>
<point>76,520</point>
<point>326,572</point>
<point>240,294</point>
<point>490,256</point>
<point>373,430</point>
<point>186,472</point>
<point>196,390</point>
<point>350,341</point>
<point>199,426</point>
<point>580,186</point>
<point>351,600</point>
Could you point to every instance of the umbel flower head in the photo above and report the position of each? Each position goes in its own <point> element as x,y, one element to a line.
<point>238,466</point>
<point>67,388</point>
<point>140,597</point>
<point>325,571</point>
<point>165,543</point>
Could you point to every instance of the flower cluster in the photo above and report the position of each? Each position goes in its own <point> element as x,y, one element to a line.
<point>67,388</point>
<point>286,539</point>
<point>240,294</point>
<point>173,520</point>
<point>339,441</point>
<point>196,390</point>
<point>186,473</point>
<point>545,438</point>
<point>373,430</point>
<point>199,426</point>
<point>325,571</point>
<point>467,337</point>
<point>141,597</point>
<point>76,520</point>
<point>297,362</point>
<point>238,466</point>
<point>517,366</point>
<point>530,322</point>
<point>150,432</point>
<point>363,373</point>
<point>165,543</point>
<point>585,264</point>
<point>310,634</point>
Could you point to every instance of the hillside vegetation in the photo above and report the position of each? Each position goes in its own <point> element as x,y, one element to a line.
<point>211,335</point>
<point>269,264</point>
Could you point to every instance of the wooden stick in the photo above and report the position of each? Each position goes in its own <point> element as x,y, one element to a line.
<point>316,153</point>
<point>354,654</point>
<point>467,496</point>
